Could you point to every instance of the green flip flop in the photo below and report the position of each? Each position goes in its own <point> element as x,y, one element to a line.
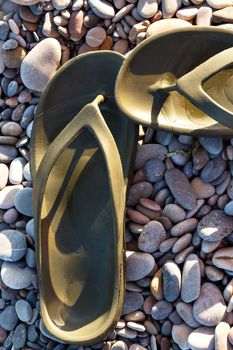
<point>180,81</point>
<point>82,150</point>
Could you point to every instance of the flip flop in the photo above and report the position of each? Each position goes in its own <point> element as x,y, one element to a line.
<point>180,81</point>
<point>82,152</point>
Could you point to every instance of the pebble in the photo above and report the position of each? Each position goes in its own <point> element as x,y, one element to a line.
<point>154,170</point>
<point>191,279</point>
<point>171,281</point>
<point>230,336</point>
<point>14,58</point>
<point>215,226</point>
<point>169,8</point>
<point>136,326</point>
<point>16,277</point>
<point>4,30</point>
<point>180,188</point>
<point>200,158</point>
<point>30,258</point>
<point>95,36</point>
<point>213,169</point>
<point>209,309</point>
<point>7,153</point>
<point>218,4</point>
<point>133,302</point>
<point>187,13</point>
<point>152,235</point>
<point>186,313</point>
<point>161,310</point>
<point>201,339</point>
<point>146,152</point>
<point>60,4</point>
<point>186,226</point>
<point>119,345</point>
<point>102,8</point>
<point>7,196</point>
<point>156,286</point>
<point>174,212</point>
<point>76,27</point>
<point>30,228</point>
<point>146,8</point>
<point>164,24</point>
<point>13,245</point>
<point>10,44</point>
<point>180,335</point>
<point>228,209</point>
<point>49,28</point>
<point>4,171</point>
<point>8,318</point>
<point>16,171</point>
<point>223,258</point>
<point>204,16</point>
<point>201,189</point>
<point>23,310</point>
<point>2,62</point>
<point>20,336</point>
<point>40,64</point>
<point>212,145</point>
<point>221,333</point>
<point>138,265</point>
<point>139,190</point>
<point>25,2</point>
<point>23,201</point>
<point>182,243</point>
<point>127,333</point>
<point>213,274</point>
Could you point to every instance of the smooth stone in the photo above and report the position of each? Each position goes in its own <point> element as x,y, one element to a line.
<point>180,188</point>
<point>127,333</point>
<point>208,247</point>
<point>228,291</point>
<point>230,336</point>
<point>27,15</point>
<point>174,212</point>
<point>213,145</point>
<point>23,201</point>
<point>202,339</point>
<point>138,265</point>
<point>224,15</point>
<point>7,196</point>
<point>119,345</point>
<point>13,245</point>
<point>137,191</point>
<point>200,158</point>
<point>213,169</point>
<point>7,153</point>
<point>154,170</point>
<point>95,36</point>
<point>14,58</point>
<point>221,333</point>
<point>10,44</point>
<point>8,318</point>
<point>19,336</point>
<point>16,277</point>
<point>169,8</point>
<point>215,226</point>
<point>23,310</point>
<point>182,243</point>
<point>171,281</point>
<point>102,8</point>
<point>26,2</point>
<point>16,170</point>
<point>181,154</point>
<point>60,4</point>
<point>27,172</point>
<point>146,152</point>
<point>11,129</point>
<point>30,228</point>
<point>161,310</point>
<point>4,171</point>
<point>180,335</point>
<point>191,279</point>
<point>165,24</point>
<point>186,313</point>
<point>4,30</point>
<point>30,258</point>
<point>76,27</point>
<point>156,286</point>
<point>163,137</point>
<point>152,235</point>
<point>228,209</point>
<point>187,13</point>
<point>230,189</point>
<point>49,28</point>
<point>133,302</point>
<point>219,4</point>
<point>136,326</point>
<point>147,8</point>
<point>40,64</point>
<point>204,16</point>
<point>223,258</point>
<point>209,309</point>
<point>186,226</point>
<point>202,189</point>
<point>2,62</point>
<point>213,274</point>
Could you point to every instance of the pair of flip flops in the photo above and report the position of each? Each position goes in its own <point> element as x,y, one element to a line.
<point>82,153</point>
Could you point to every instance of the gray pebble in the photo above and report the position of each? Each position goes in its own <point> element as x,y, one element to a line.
<point>12,88</point>
<point>191,279</point>
<point>133,302</point>
<point>228,209</point>
<point>154,170</point>
<point>163,137</point>
<point>213,145</point>
<point>30,228</point>
<point>213,169</point>
<point>32,333</point>
<point>161,310</point>
<point>13,245</point>
<point>23,310</point>
<point>15,276</point>
<point>174,212</point>
<point>186,313</point>
<point>7,153</point>
<point>171,281</point>
<point>10,44</point>
<point>20,336</point>
<point>4,30</point>
<point>30,258</point>
<point>23,201</point>
<point>8,318</point>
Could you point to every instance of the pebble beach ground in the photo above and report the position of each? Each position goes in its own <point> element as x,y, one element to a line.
<point>179,227</point>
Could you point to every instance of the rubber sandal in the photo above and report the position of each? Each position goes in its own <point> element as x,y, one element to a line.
<point>180,81</point>
<point>81,162</point>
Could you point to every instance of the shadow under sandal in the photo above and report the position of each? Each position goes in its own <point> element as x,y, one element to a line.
<point>79,204</point>
<point>180,81</point>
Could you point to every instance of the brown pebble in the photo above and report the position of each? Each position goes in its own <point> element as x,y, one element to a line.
<point>188,225</point>
<point>157,285</point>
<point>107,43</point>
<point>137,217</point>
<point>148,304</point>
<point>76,26</point>
<point>95,36</point>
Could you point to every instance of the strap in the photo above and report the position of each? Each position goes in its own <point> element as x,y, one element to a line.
<point>190,86</point>
<point>91,118</point>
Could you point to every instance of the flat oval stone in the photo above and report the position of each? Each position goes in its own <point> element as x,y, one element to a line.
<point>7,196</point>
<point>133,302</point>
<point>204,16</point>
<point>223,258</point>
<point>187,13</point>
<point>147,8</point>
<point>169,8</point>
<point>137,191</point>
<point>16,170</point>
<point>102,8</point>
<point>16,277</point>
<point>60,4</point>
<point>95,36</point>
<point>180,188</point>
<point>23,201</point>
<point>171,281</point>
<point>161,310</point>
<point>202,339</point>
<point>40,64</point>
<point>4,171</point>
<point>154,170</point>
<point>213,169</point>
<point>19,336</point>
<point>13,245</point>
<point>174,212</point>
<point>219,4</point>
<point>146,152</point>
<point>188,225</point>
<point>221,333</point>
<point>186,313</point>
<point>8,318</point>
<point>26,2</point>
<point>209,309</point>
<point>165,24</point>
<point>213,145</point>
<point>202,189</point>
<point>156,286</point>
<point>23,310</point>
<point>152,235</point>
<point>7,153</point>
<point>119,345</point>
<point>180,333</point>
<point>182,243</point>
<point>76,26</point>
<point>138,265</point>
<point>191,279</point>
<point>215,226</point>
